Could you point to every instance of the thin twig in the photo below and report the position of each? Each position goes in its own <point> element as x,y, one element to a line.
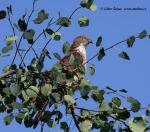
<point>10,22</point>
<point>42,127</point>
<point>48,25</point>
<point>17,50</point>
<point>50,38</point>
<point>110,47</point>
<point>74,12</point>
<point>3,76</point>
<point>33,7</point>
<point>61,27</point>
<point>125,97</point>
<point>31,46</point>
<point>120,121</point>
<point>22,35</point>
<point>87,109</point>
<point>108,115</point>
<point>74,118</point>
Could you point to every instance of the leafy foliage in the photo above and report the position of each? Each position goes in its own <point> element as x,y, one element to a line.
<point>124,55</point>
<point>143,34</point>
<point>88,4</point>
<point>31,93</point>
<point>22,25</point>
<point>101,54</point>
<point>2,14</point>
<point>92,69</point>
<point>64,21</point>
<point>99,41</point>
<point>130,41</point>
<point>42,16</point>
<point>66,48</point>
<point>83,21</point>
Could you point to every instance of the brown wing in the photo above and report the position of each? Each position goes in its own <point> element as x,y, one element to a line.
<point>65,62</point>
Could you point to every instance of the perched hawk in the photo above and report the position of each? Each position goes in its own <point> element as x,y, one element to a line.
<point>78,51</point>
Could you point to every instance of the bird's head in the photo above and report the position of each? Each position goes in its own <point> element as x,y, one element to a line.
<point>81,41</point>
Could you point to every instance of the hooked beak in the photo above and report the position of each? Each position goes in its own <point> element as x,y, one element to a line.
<point>91,42</point>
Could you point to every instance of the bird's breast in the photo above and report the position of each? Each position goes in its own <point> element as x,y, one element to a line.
<point>82,51</point>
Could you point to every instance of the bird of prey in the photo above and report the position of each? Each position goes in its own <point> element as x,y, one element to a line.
<point>67,65</point>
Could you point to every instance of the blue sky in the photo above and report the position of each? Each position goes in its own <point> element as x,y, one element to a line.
<point>113,26</point>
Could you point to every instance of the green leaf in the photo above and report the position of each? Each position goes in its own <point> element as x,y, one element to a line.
<point>124,55</point>
<point>64,126</point>
<point>10,39</point>
<point>64,21</point>
<point>148,111</point>
<point>138,124</point>
<point>123,114</point>
<point>7,91</point>
<point>56,36</point>
<point>19,117</point>
<point>22,25</point>
<point>93,7</point>
<point>17,105</point>
<point>143,34</point>
<point>25,96</point>
<point>2,14</point>
<point>85,126</point>
<point>135,104</point>
<point>104,106</point>
<point>33,61</point>
<point>83,21</point>
<point>88,4</point>
<point>85,87</point>
<point>83,3</point>
<point>101,54</point>
<point>55,97</point>
<point>84,113</point>
<point>7,49</point>
<point>99,41</point>
<point>8,119</point>
<point>42,16</point>
<point>66,48</point>
<point>69,100</point>
<point>123,90</point>
<point>57,56</point>
<point>16,90</point>
<point>46,117</point>
<point>130,41</point>
<point>51,123</point>
<point>28,122</point>
<point>92,69</point>
<point>46,89</point>
<point>116,101</point>
<point>49,31</point>
<point>108,88</point>
<point>29,34</point>
<point>98,95</point>
<point>32,91</point>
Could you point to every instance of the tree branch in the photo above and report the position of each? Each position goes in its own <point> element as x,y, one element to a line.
<point>74,118</point>
<point>10,22</point>
<point>110,47</point>
<point>50,38</point>
<point>42,127</point>
<point>22,36</point>
<point>61,27</point>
